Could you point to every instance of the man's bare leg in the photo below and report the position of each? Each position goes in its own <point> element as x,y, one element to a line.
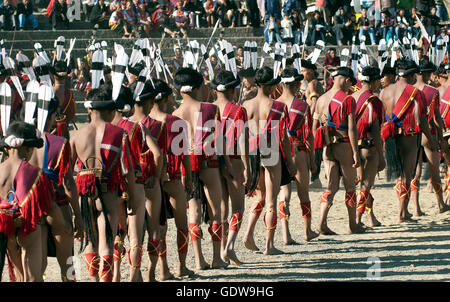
<point>272,177</point>
<point>177,195</point>
<point>31,251</point>
<point>63,236</point>
<point>16,258</point>
<point>326,201</point>
<point>213,190</point>
<point>119,248</point>
<point>237,195</point>
<point>164,270</point>
<point>302,181</point>
<point>135,234</point>
<point>224,211</point>
<point>196,233</point>
<point>253,216</point>
<point>106,251</point>
<point>433,162</point>
<point>283,210</point>
<point>415,186</point>
<point>153,210</point>
<point>44,238</point>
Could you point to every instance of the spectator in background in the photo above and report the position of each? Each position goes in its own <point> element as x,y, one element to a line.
<point>254,13</point>
<point>130,18</point>
<point>288,6</point>
<point>272,8</point>
<point>339,24</point>
<point>240,58</point>
<point>423,6</point>
<point>226,12</point>
<point>118,24</point>
<point>388,5</point>
<point>273,31</point>
<point>321,8</point>
<point>366,26</point>
<point>442,12</point>
<point>195,11</point>
<point>243,14</point>
<point>180,17</point>
<point>297,27</point>
<point>415,27</point>
<point>100,15</point>
<point>7,20</point>
<point>210,11</point>
<point>386,26</point>
<point>330,62</point>
<point>403,26</point>
<point>144,19</point>
<point>115,4</point>
<point>301,10</point>
<point>159,17</point>
<point>318,28</point>
<point>88,5</point>
<point>59,15</point>
<point>286,29</point>
<point>25,15</point>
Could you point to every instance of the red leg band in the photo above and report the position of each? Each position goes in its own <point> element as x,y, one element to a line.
<point>357,180</point>
<point>259,207</point>
<point>326,198</point>
<point>138,264</point>
<point>195,231</point>
<point>350,198</point>
<point>182,241</point>
<point>93,263</point>
<point>363,201</point>
<point>437,187</point>
<point>273,225</point>
<point>153,247</point>
<point>415,184</point>
<point>283,210</point>
<point>306,209</point>
<point>236,222</point>
<point>118,245</point>
<point>398,185</point>
<point>163,250</point>
<point>405,191</point>
<point>215,230</point>
<point>369,205</point>
<point>107,269</point>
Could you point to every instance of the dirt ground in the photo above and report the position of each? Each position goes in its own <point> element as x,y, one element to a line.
<point>393,251</point>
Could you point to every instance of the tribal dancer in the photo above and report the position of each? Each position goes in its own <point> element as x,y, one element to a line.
<point>268,140</point>
<point>172,184</point>
<point>432,101</point>
<point>26,194</point>
<point>335,132</point>
<point>101,151</point>
<point>203,120</point>
<point>444,92</point>
<point>233,119</point>
<point>249,89</point>
<point>300,134</point>
<point>55,161</point>
<point>406,120</point>
<point>369,116</point>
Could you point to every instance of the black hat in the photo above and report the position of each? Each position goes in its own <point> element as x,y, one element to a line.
<point>125,99</point>
<point>3,71</point>
<point>59,68</point>
<point>224,80</point>
<point>427,66</point>
<point>247,73</point>
<point>21,134</point>
<point>290,75</point>
<point>369,74</point>
<point>136,69</point>
<point>444,68</point>
<point>345,72</point>
<point>186,79</point>
<point>388,70</point>
<point>307,64</point>
<point>162,88</point>
<point>101,99</point>
<point>406,67</point>
<point>264,77</point>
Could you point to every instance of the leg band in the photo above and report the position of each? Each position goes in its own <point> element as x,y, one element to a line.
<point>357,180</point>
<point>153,247</point>
<point>363,201</point>
<point>415,184</point>
<point>215,230</point>
<point>138,264</point>
<point>369,205</point>
<point>195,231</point>
<point>405,191</point>
<point>273,224</point>
<point>93,263</point>
<point>306,209</point>
<point>326,198</point>
<point>437,187</point>
<point>182,241</point>
<point>119,250</point>
<point>107,269</point>
<point>259,207</point>
<point>350,199</point>
<point>236,222</point>
<point>397,187</point>
<point>163,250</point>
<point>283,210</point>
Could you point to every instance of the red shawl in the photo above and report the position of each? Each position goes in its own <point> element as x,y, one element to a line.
<point>158,130</point>
<point>299,125</point>
<point>431,96</point>
<point>445,107</point>
<point>175,153</point>
<point>369,108</point>
<point>341,105</point>
<point>58,155</point>
<point>233,120</point>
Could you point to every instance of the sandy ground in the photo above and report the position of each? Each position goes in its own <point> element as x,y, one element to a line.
<point>413,251</point>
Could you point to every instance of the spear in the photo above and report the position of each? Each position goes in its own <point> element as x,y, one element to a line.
<point>209,41</point>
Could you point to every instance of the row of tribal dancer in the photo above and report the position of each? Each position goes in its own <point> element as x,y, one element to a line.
<point>129,180</point>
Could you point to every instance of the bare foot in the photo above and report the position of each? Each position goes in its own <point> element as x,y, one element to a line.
<point>443,208</point>
<point>406,220</point>
<point>357,229</point>
<point>374,222</point>
<point>202,266</point>
<point>166,275</point>
<point>272,251</point>
<point>219,264</point>
<point>310,235</point>
<point>408,214</point>
<point>184,272</point>
<point>250,244</point>
<point>231,255</point>
<point>151,276</point>
<point>290,241</point>
<point>419,213</point>
<point>326,231</point>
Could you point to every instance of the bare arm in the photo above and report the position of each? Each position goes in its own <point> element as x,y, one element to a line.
<point>157,154</point>
<point>353,136</point>
<point>131,183</point>
<point>375,131</point>
<point>425,127</point>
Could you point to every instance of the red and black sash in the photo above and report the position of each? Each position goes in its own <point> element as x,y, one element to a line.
<point>58,157</point>
<point>158,130</point>
<point>175,153</point>
<point>135,138</point>
<point>231,129</point>
<point>368,109</point>
<point>298,116</point>
<point>32,196</point>
<point>340,107</point>
<point>431,95</point>
<point>445,107</point>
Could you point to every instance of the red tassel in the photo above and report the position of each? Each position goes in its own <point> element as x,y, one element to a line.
<point>37,205</point>
<point>85,183</point>
<point>64,163</point>
<point>195,231</point>
<point>363,124</point>
<point>61,128</point>
<point>147,164</point>
<point>350,198</point>
<point>319,138</point>
<point>196,162</point>
<point>93,263</point>
<point>387,130</point>
<point>7,224</point>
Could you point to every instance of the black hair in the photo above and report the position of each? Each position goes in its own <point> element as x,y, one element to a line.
<point>289,61</point>
<point>187,77</point>
<point>25,131</point>
<point>101,94</point>
<point>148,92</point>
<point>162,88</point>
<point>53,105</point>
<point>263,75</point>
<point>125,97</point>
<point>223,77</point>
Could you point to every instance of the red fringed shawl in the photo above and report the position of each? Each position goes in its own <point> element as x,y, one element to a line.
<point>233,120</point>
<point>176,128</point>
<point>158,130</point>
<point>32,196</point>
<point>299,125</point>
<point>445,107</point>
<point>369,108</point>
<point>69,110</point>
<point>58,156</point>
<point>431,96</point>
<point>341,105</point>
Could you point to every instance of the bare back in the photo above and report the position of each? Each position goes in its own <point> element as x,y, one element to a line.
<point>188,111</point>
<point>390,95</point>
<point>86,144</point>
<point>8,171</point>
<point>258,109</point>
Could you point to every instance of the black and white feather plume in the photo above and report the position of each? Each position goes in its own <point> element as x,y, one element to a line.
<point>31,101</point>
<point>44,97</point>
<point>25,67</point>
<point>97,68</point>
<point>5,106</point>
